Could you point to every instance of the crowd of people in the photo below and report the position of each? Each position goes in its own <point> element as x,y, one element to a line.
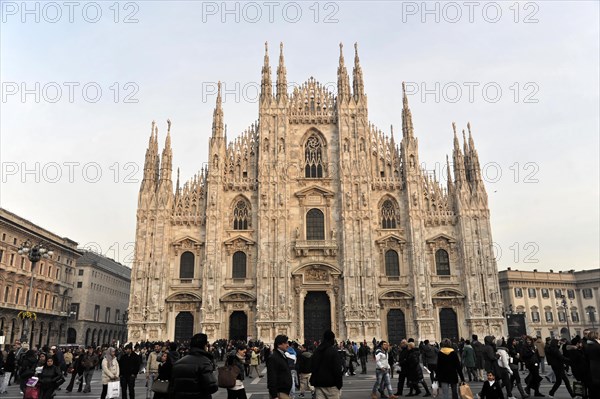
<point>316,368</point>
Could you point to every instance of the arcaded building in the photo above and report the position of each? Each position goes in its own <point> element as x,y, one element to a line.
<point>314,218</point>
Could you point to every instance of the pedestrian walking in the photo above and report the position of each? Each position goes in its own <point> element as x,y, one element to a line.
<point>449,370</point>
<point>129,365</point>
<point>382,372</point>
<point>326,369</point>
<point>279,376</point>
<point>192,376</point>
<point>110,370</point>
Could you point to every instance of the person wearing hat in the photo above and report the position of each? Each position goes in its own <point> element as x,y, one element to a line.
<point>279,376</point>
<point>326,369</point>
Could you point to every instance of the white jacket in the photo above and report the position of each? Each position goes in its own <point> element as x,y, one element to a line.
<point>503,359</point>
<point>381,359</point>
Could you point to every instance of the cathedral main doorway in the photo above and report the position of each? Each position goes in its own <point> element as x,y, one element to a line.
<point>396,325</point>
<point>238,326</point>
<point>184,326</point>
<point>317,315</point>
<point>448,323</point>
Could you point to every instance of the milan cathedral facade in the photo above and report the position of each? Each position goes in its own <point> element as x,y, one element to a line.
<point>310,219</point>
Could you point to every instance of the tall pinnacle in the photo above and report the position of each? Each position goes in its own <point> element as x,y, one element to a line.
<point>281,76</point>
<point>218,126</point>
<point>358,84</point>
<point>266,85</point>
<point>167,156</point>
<point>343,79</point>
<point>407,124</point>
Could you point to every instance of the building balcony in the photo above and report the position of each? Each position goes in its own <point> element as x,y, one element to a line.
<point>316,247</point>
<point>240,283</point>
<point>186,283</point>
<point>444,280</point>
<point>393,281</point>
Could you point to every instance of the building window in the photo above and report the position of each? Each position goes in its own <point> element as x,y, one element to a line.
<point>1,254</point>
<point>549,316</point>
<point>518,292</point>
<point>3,236</point>
<point>80,272</point>
<point>17,296</point>
<point>107,315</point>
<point>37,299</point>
<point>22,263</point>
<point>591,313</point>
<point>117,316</point>
<point>575,316</point>
<point>239,265</point>
<point>545,293</point>
<point>442,262</point>
<point>241,215</point>
<point>186,265</point>
<point>12,259</point>
<point>392,264</point>
<point>561,316</point>
<point>58,274</point>
<point>6,293</point>
<point>313,158</point>
<point>315,225</point>
<point>535,316</point>
<point>587,293</point>
<point>557,293</point>
<point>97,313</point>
<point>531,292</point>
<point>388,215</point>
<point>79,284</point>
<point>571,294</point>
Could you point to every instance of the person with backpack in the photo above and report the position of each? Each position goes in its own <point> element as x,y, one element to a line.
<point>326,369</point>
<point>304,369</point>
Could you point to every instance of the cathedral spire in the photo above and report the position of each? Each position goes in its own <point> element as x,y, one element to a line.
<point>407,125</point>
<point>343,79</point>
<point>474,157</point>
<point>457,157</point>
<point>217,127</point>
<point>449,175</point>
<point>156,157</point>
<point>167,157</point>
<point>281,77</point>
<point>266,85</point>
<point>177,186</point>
<point>149,162</point>
<point>358,84</point>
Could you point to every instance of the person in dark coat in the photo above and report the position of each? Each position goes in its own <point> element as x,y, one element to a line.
<point>449,370</point>
<point>77,371</point>
<point>531,359</point>
<point>165,370</point>
<point>430,354</point>
<point>279,375</point>
<point>515,356</point>
<point>414,373</point>
<point>326,369</point>
<point>129,366</point>
<point>402,359</point>
<point>557,361</point>
<point>478,348</point>
<point>592,354</point>
<point>27,367</point>
<point>489,355</point>
<point>238,359</point>
<point>192,376</point>
<point>50,378</point>
<point>491,388</point>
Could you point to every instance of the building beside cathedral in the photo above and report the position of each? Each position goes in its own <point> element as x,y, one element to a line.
<point>313,218</point>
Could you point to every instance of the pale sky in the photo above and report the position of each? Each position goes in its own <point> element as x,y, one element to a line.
<point>525,74</point>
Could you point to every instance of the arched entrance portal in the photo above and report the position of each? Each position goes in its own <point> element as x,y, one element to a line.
<point>72,336</point>
<point>238,326</point>
<point>184,326</point>
<point>396,326</point>
<point>448,323</point>
<point>317,315</point>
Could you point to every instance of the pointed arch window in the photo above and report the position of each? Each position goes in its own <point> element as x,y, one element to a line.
<point>442,262</point>
<point>313,158</point>
<point>389,215</point>
<point>239,265</point>
<point>392,264</point>
<point>315,225</point>
<point>241,215</point>
<point>186,265</point>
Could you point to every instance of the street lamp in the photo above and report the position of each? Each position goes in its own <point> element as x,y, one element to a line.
<point>34,253</point>
<point>563,302</point>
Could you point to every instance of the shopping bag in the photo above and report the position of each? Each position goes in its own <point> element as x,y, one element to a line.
<point>227,376</point>
<point>113,390</point>
<point>32,392</point>
<point>160,386</point>
<point>465,391</point>
<point>578,388</point>
<point>31,382</point>
<point>435,389</point>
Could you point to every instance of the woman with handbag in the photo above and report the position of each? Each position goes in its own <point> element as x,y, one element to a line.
<point>110,371</point>
<point>237,360</point>
<point>50,378</point>
<point>160,387</point>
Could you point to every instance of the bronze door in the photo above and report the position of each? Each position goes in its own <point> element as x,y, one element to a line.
<point>184,327</point>
<point>448,324</point>
<point>396,326</point>
<point>317,315</point>
<point>238,326</point>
